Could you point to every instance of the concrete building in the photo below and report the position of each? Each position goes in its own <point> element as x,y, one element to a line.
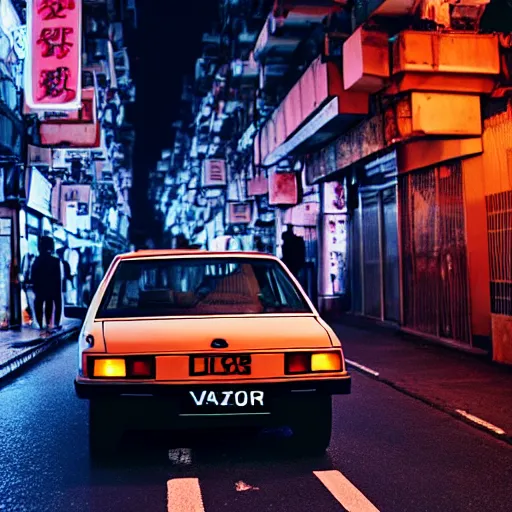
<point>378,129</point>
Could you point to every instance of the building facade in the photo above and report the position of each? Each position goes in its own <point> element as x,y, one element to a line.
<point>64,172</point>
<point>378,129</point>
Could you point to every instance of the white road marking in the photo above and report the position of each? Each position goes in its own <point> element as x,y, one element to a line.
<point>241,486</point>
<point>345,493</point>
<point>184,495</point>
<point>181,456</point>
<point>362,367</point>
<point>481,422</point>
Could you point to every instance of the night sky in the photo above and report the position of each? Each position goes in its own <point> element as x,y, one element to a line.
<point>168,43</point>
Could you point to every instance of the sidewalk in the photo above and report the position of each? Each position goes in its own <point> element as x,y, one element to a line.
<point>464,385</point>
<point>18,348</point>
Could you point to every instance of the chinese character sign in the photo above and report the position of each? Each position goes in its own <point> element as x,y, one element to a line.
<point>53,68</point>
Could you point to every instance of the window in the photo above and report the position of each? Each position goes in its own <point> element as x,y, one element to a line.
<point>200,286</point>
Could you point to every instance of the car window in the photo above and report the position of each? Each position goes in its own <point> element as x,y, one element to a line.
<point>200,286</point>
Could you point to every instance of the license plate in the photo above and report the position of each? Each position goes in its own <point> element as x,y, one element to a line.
<point>239,364</point>
<point>205,399</point>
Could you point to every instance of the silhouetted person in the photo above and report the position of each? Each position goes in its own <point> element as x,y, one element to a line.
<point>182,242</point>
<point>65,270</point>
<point>294,251</point>
<point>46,279</point>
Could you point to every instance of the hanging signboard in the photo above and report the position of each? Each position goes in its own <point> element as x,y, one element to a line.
<point>53,65</point>
<point>283,188</point>
<point>214,173</point>
<point>239,213</point>
<point>83,132</point>
<point>39,156</point>
<point>76,206</point>
<point>39,193</point>
<point>258,186</point>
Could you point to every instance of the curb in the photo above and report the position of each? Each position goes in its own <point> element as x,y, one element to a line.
<point>34,350</point>
<point>507,437</point>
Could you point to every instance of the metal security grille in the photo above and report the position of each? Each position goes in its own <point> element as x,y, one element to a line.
<point>355,267</point>
<point>390,251</point>
<point>435,278</point>
<point>499,229</point>
<point>371,256</point>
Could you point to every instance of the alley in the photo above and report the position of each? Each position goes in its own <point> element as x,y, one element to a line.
<point>389,452</point>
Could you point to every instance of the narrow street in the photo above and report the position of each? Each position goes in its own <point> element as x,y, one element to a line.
<point>388,450</point>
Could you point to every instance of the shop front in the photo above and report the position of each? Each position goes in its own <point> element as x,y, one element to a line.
<point>36,220</point>
<point>6,262</point>
<point>304,219</point>
<point>434,252</point>
<point>374,254</point>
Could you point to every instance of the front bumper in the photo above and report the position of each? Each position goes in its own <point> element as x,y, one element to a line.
<point>99,390</point>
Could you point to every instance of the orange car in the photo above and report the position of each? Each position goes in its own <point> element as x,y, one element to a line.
<point>182,338</point>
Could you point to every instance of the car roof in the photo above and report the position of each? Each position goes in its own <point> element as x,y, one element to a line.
<point>156,253</point>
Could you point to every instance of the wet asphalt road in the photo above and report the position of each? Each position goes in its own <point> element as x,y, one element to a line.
<point>387,450</point>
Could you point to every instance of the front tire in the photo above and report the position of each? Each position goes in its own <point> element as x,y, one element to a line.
<point>312,426</point>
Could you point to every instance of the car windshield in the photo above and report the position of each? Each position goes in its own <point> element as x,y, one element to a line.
<point>200,286</point>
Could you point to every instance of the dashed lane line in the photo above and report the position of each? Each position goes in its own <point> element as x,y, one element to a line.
<point>481,422</point>
<point>362,367</point>
<point>349,496</point>
<point>184,495</point>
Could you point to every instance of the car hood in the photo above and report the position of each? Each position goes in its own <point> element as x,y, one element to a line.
<point>196,334</point>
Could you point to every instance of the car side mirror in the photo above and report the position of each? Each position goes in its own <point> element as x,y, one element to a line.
<point>77,312</point>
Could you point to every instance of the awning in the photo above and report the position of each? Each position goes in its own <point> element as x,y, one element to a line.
<point>427,152</point>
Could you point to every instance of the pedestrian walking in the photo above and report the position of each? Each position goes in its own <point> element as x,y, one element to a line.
<point>294,251</point>
<point>46,279</point>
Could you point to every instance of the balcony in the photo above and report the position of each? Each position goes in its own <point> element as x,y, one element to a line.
<point>301,12</point>
<point>366,9</point>
<point>271,44</point>
<point>454,14</point>
<point>444,62</point>
<point>314,111</point>
<point>288,24</point>
<point>421,114</point>
<point>366,61</point>
<point>244,72</point>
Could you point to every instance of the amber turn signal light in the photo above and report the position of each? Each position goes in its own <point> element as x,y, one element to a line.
<point>131,367</point>
<point>109,368</point>
<point>326,362</point>
<point>311,362</point>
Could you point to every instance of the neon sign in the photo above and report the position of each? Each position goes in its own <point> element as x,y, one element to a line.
<point>53,65</point>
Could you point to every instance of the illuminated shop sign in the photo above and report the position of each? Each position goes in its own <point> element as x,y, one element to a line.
<point>53,68</point>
